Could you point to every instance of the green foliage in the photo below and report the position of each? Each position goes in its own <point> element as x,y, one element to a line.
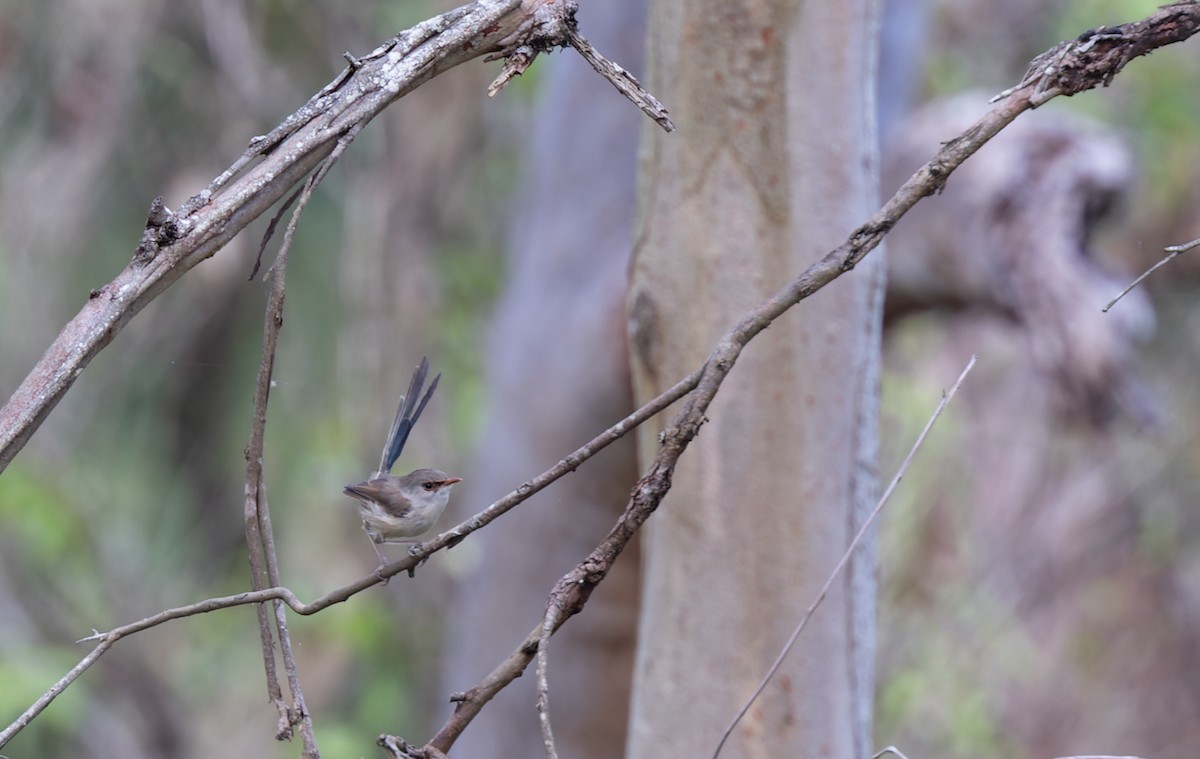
<point>37,527</point>
<point>1081,15</point>
<point>27,672</point>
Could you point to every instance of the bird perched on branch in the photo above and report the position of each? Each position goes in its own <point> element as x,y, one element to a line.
<point>395,508</point>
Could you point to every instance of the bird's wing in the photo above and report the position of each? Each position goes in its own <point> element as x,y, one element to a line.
<point>378,494</point>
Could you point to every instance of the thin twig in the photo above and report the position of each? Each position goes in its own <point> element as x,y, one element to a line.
<point>270,232</point>
<point>549,623</point>
<point>837,570</point>
<point>1183,246</point>
<point>889,750</point>
<point>300,713</point>
<point>566,465</point>
<point>259,538</point>
<point>559,28</point>
<point>622,80</point>
<point>1172,252</point>
<point>43,701</point>
<point>449,538</point>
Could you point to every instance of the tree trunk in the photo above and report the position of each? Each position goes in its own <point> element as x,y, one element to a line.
<point>774,163</point>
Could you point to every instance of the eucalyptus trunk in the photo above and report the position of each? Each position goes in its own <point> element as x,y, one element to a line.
<point>773,164</point>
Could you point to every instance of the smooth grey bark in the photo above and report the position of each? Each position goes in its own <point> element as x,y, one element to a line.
<point>774,162</point>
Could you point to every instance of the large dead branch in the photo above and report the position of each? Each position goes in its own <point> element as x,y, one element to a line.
<point>175,241</point>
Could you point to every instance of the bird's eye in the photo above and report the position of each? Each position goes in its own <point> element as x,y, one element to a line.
<point>429,485</point>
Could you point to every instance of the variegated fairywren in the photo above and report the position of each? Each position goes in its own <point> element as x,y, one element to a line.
<point>395,508</point>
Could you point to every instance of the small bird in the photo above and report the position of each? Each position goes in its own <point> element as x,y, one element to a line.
<point>394,508</point>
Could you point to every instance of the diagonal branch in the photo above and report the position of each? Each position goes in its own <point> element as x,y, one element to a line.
<point>1172,252</point>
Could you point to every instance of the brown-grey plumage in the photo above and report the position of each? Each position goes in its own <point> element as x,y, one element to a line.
<point>394,508</point>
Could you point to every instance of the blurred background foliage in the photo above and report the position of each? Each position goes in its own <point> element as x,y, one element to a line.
<point>129,499</point>
<point>1041,570</point>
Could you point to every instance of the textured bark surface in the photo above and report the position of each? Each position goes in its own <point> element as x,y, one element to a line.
<point>773,165</point>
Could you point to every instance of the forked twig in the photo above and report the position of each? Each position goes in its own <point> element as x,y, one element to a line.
<point>560,29</point>
<point>1172,252</point>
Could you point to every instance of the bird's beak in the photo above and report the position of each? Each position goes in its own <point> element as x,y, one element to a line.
<point>451,480</point>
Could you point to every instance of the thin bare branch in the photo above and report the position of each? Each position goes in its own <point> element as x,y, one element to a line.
<point>1182,247</point>
<point>270,232</point>
<point>1172,252</point>
<point>559,28</point>
<point>837,570</point>
<point>549,623</point>
<point>259,535</point>
<point>259,542</point>
<point>622,80</point>
<point>106,641</point>
<point>407,564</point>
<point>39,706</point>
<point>565,466</point>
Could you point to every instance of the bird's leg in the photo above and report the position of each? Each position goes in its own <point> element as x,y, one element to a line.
<point>383,562</point>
